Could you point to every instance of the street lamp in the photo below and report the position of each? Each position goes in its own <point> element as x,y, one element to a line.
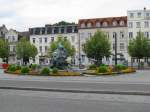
<point>79,51</point>
<point>115,36</point>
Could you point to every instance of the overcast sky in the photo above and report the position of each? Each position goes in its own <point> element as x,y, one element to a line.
<point>22,14</point>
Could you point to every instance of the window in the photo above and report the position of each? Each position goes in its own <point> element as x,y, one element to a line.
<point>72,38</point>
<point>114,23</point>
<point>82,25</point>
<point>147,14</point>
<point>33,40</point>
<point>121,35</point>
<point>130,25</point>
<point>98,24</point>
<point>138,24</point>
<point>139,14</point>
<point>83,58</point>
<point>40,48</point>
<point>9,38</point>
<point>146,34</point>
<point>89,25</point>
<point>113,46</point>
<point>40,40</point>
<point>46,48</point>
<point>114,34</point>
<point>105,24</point>
<point>14,48</point>
<point>146,24</point>
<point>65,38</point>
<point>13,38</point>
<point>121,23</point>
<point>131,15</point>
<point>89,35</point>
<point>107,35</point>
<point>121,46</point>
<point>52,39</point>
<point>45,40</point>
<point>130,34</point>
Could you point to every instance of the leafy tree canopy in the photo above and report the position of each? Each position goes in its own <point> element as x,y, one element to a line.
<point>4,49</point>
<point>65,42</point>
<point>25,50</point>
<point>139,47</point>
<point>97,47</point>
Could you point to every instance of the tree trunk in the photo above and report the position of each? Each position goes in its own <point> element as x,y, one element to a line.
<point>131,62</point>
<point>139,64</point>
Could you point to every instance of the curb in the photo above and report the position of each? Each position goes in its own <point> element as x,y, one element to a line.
<point>79,91</point>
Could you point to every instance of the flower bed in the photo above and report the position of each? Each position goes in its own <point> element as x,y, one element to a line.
<point>18,70</point>
<point>4,66</point>
<point>109,70</point>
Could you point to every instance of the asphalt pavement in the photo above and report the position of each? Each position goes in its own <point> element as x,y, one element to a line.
<point>137,83</point>
<point>33,101</point>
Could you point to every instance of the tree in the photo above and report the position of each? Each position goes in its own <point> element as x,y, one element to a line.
<point>139,47</point>
<point>4,50</point>
<point>97,47</point>
<point>66,43</point>
<point>25,50</point>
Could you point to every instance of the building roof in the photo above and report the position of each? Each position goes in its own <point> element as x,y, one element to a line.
<point>24,34</point>
<point>109,21</point>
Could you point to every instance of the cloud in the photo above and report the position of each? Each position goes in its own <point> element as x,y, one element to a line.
<point>22,14</point>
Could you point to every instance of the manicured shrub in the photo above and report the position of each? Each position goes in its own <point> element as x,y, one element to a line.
<point>11,68</point>
<point>102,65</point>
<point>18,67</point>
<point>45,71</point>
<point>55,70</point>
<point>92,67</point>
<point>24,70</point>
<point>33,66</point>
<point>120,67</point>
<point>102,69</point>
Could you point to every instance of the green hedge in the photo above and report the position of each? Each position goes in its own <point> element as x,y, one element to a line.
<point>24,70</point>
<point>45,71</point>
<point>55,70</point>
<point>34,66</point>
<point>102,69</point>
<point>11,68</point>
<point>120,67</point>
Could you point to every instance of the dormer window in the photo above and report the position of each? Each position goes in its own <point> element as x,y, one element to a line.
<point>121,23</point>
<point>82,25</point>
<point>105,24</point>
<point>89,25</point>
<point>114,23</point>
<point>98,24</point>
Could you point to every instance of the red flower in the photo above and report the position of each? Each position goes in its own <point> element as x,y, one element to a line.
<point>4,66</point>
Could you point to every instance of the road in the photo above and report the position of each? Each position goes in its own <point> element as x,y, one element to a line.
<point>139,82</point>
<point>49,98</point>
<point>33,101</point>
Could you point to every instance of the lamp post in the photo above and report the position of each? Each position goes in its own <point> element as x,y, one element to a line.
<point>115,35</point>
<point>79,51</point>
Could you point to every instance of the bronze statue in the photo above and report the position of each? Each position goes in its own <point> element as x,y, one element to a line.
<point>59,57</point>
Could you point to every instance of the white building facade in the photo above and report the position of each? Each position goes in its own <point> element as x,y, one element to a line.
<point>12,37</point>
<point>42,37</point>
<point>113,27</point>
<point>138,20</point>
